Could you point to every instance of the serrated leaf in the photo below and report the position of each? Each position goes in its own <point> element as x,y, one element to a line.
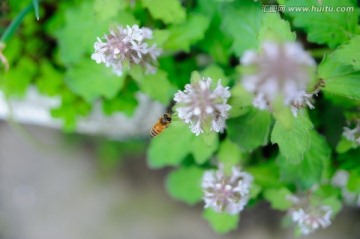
<point>169,11</point>
<point>221,222</point>
<point>184,184</point>
<point>79,34</point>
<point>242,22</point>
<point>348,54</point>
<point>170,147</point>
<point>273,28</point>
<point>329,27</point>
<point>293,142</point>
<point>312,169</point>
<point>184,35</point>
<point>203,146</point>
<point>340,79</point>
<point>278,198</point>
<point>91,80</point>
<point>250,130</point>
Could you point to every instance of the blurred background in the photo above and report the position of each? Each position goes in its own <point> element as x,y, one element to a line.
<point>75,186</point>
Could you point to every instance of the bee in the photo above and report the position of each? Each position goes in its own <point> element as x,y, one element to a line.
<point>160,125</point>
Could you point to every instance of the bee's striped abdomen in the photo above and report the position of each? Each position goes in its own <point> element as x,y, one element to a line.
<point>154,132</point>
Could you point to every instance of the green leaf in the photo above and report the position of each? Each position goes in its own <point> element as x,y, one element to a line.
<point>229,153</point>
<point>334,203</point>
<point>124,18</point>
<point>216,43</point>
<point>71,107</point>
<point>91,80</point>
<point>242,22</point>
<point>79,34</point>
<point>324,27</point>
<point>179,71</point>
<point>345,145</point>
<point>184,35</point>
<point>250,130</point>
<point>348,54</point>
<point>16,81</point>
<point>207,7</point>
<point>273,28</point>
<point>282,113</point>
<point>157,86</point>
<point>13,50</point>
<point>171,146</point>
<point>354,181</point>
<point>221,222</point>
<point>106,9</point>
<point>201,149</point>
<point>50,80</point>
<point>340,79</point>
<point>294,142</point>
<point>240,100</point>
<point>184,184</point>
<point>159,37</point>
<point>169,11</point>
<point>266,174</point>
<point>350,159</point>
<point>36,9</point>
<point>278,198</point>
<point>312,169</point>
<point>216,73</point>
<point>254,191</point>
<point>195,77</point>
<point>125,101</point>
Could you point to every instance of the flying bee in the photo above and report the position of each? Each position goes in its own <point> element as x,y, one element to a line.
<point>160,125</point>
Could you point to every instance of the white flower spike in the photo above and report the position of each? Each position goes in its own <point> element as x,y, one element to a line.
<point>126,46</point>
<point>226,193</point>
<point>340,179</point>
<point>201,107</point>
<point>279,70</point>
<point>308,216</point>
<point>352,135</point>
